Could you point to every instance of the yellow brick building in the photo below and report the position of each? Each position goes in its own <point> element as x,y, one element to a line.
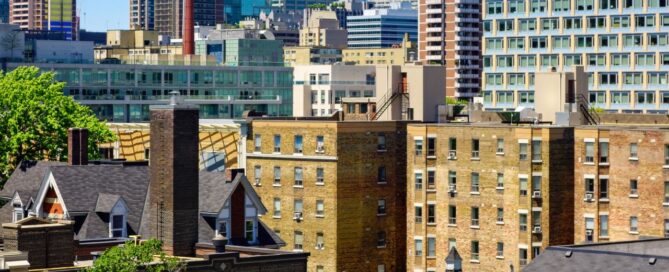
<point>405,53</point>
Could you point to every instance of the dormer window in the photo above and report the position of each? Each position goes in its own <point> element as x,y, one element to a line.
<point>118,220</point>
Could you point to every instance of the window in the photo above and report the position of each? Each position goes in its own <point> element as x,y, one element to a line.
<point>666,154</point>
<point>475,148</point>
<point>504,25</point>
<point>610,41</point>
<point>500,146</point>
<point>277,143</point>
<point>596,59</point>
<point>548,24</point>
<point>644,20</point>
<point>500,250</point>
<point>475,216</point>
<point>584,41</point>
<point>632,40</point>
<point>431,147</point>
<point>584,4</point>
<point>500,215</point>
<point>536,221</point>
<point>452,215</point>
<point>493,79</point>
<point>381,175</point>
<point>451,243</point>
<point>381,143</point>
<point>320,241</point>
<point>381,207</point>
<point>528,24</point>
<point>537,6</point>
<point>277,176</point>
<point>536,150</point>
<point>257,143</point>
<point>431,184</point>
<point>573,23</point>
<point>431,213</point>
<point>298,144</point>
<point>657,3</point>
<point>431,247</point>
<point>419,247</point>
<point>603,225</point>
<point>608,4</point>
<point>657,39</point>
<point>504,97</point>
<point>645,59</point>
<point>666,228</point>
<point>620,98</point>
<point>523,186</point>
<point>666,193</point>
<point>419,180</point>
<point>452,181</point>
<point>561,42</point>
<point>560,6</point>
<point>603,152</point>
<point>596,22</point>
<point>516,6</point>
<point>381,268</point>
<point>475,182</point>
<point>522,151</point>
<point>589,187</point>
<point>500,181</point>
<point>522,255</point>
<point>222,228</point>
<point>475,250</point>
<point>277,207</point>
<point>320,208</point>
<point>633,188</point>
<point>494,44</point>
<point>381,239</point>
<point>495,6</point>
<point>536,184</point>
<point>620,60</point>
<point>589,152</point>
<point>538,42</point>
<point>257,173</point>
<point>118,225</point>
<point>516,43</point>
<point>504,61</point>
<point>634,224</point>
<point>620,21</point>
<point>320,144</point>
<point>320,176</point>
<point>608,79</point>
<point>523,221</point>
<point>298,177</point>
<point>418,210</point>
<point>298,241</point>
<point>645,98</point>
<point>249,230</point>
<point>516,80</point>
<point>418,147</point>
<point>657,78</point>
<point>536,250</point>
<point>634,150</point>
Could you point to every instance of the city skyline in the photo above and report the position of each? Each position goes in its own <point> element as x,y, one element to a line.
<point>103,15</point>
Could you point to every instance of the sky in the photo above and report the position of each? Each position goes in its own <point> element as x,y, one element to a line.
<point>100,15</point>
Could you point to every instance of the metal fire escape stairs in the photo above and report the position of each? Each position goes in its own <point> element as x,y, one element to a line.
<point>590,115</point>
<point>401,92</point>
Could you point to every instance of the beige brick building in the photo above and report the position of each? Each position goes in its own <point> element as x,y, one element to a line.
<point>499,194</point>
<point>621,183</point>
<point>334,189</point>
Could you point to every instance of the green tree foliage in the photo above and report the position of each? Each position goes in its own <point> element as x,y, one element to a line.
<point>131,257</point>
<point>35,117</point>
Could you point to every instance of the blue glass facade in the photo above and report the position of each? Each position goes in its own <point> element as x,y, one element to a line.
<point>382,28</point>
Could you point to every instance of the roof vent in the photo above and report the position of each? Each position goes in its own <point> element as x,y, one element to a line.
<point>568,254</point>
<point>652,261</point>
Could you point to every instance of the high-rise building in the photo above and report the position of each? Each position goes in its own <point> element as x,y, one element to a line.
<point>383,28</point>
<point>298,4</point>
<point>168,15</point>
<point>4,11</point>
<point>142,14</point>
<point>321,28</point>
<point>384,4</point>
<point>52,15</point>
<point>622,45</point>
<point>450,34</point>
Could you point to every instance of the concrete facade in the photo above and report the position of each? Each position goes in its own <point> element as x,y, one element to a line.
<point>322,29</point>
<point>307,55</point>
<point>346,184</point>
<point>403,53</point>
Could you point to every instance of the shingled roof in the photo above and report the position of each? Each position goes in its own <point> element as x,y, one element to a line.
<point>27,179</point>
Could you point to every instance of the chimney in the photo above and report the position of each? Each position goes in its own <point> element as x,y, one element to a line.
<point>231,174</point>
<point>173,188</point>
<point>188,31</point>
<point>77,146</point>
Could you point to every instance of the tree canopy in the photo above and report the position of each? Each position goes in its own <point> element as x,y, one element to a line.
<point>131,257</point>
<point>35,116</point>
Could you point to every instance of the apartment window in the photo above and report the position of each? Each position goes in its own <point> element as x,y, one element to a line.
<point>277,176</point>
<point>589,229</point>
<point>320,176</point>
<point>419,180</point>
<point>381,143</point>
<point>277,207</point>
<point>248,230</point>
<point>537,6</point>
<point>644,20</point>
<point>522,151</point>
<point>452,181</point>
<point>548,24</point>
<point>596,22</point>
<point>608,41</point>
<point>431,147</point>
<point>596,59</point>
<point>634,190</point>
<point>666,228</point>
<point>536,185</point>
<point>664,20</point>
<point>418,210</point>
<point>320,144</point>
<point>277,143</point>
<point>536,221</point>
<point>522,221</point>
<point>645,97</point>
<point>320,208</point>
<point>475,250</point>
<point>632,40</point>
<point>452,215</point>
<point>504,97</point>
<point>657,78</point>
<point>475,216</point>
<point>504,61</point>
<point>589,152</point>
<point>634,150</point>
<point>666,192</point>
<point>419,247</point>
<point>381,175</point>
<point>298,144</point>
<point>431,247</point>
<point>584,41</point>
<point>418,147</point>
<point>560,5</point>
<point>500,250</point>
<point>495,6</point>
<point>475,149</point>
<point>298,241</point>
<point>431,213</point>
<point>523,186</point>
<point>298,177</point>
<point>516,43</point>
<point>494,79</point>
<point>589,188</point>
<point>298,207</point>
<point>320,241</point>
<point>381,207</point>
<point>494,43</point>
<point>500,215</point>
<point>538,42</point>
<point>117,226</point>
<point>573,23</point>
<point>603,152</point>
<point>504,25</point>
<point>475,182</point>
<point>622,59</point>
<point>500,181</point>
<point>645,59</point>
<point>603,225</point>
<point>381,239</point>
<point>620,21</point>
<point>516,79</point>
<point>257,143</point>
<point>608,79</point>
<point>597,97</point>
<point>561,42</point>
<point>585,4</point>
<point>522,255</point>
<point>516,6</point>
<point>657,39</point>
<point>666,154</point>
<point>257,173</point>
<point>500,146</point>
<point>536,150</point>
<point>603,188</point>
<point>528,24</point>
<point>620,98</point>
<point>634,224</point>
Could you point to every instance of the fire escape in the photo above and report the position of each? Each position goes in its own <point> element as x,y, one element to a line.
<point>385,102</point>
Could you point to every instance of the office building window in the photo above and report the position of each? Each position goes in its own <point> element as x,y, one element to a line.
<point>582,5</point>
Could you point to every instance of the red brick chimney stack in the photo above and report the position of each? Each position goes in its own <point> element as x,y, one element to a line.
<point>188,31</point>
<point>77,146</point>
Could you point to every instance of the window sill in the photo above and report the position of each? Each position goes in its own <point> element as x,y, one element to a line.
<point>380,247</point>
<point>320,216</point>
<point>453,158</point>
<point>634,159</point>
<point>537,161</point>
<point>431,257</point>
<point>380,214</point>
<point>257,152</point>
<point>499,257</point>
<point>588,163</point>
<point>665,204</point>
<point>499,153</point>
<point>381,150</point>
<point>604,200</point>
<point>474,261</point>
<point>276,217</point>
<point>276,185</point>
<point>452,225</point>
<point>320,184</point>
<point>665,166</point>
<point>382,183</point>
<point>499,223</point>
<point>604,164</point>
<point>431,190</point>
<point>475,193</point>
<point>298,250</point>
<point>634,196</point>
<point>298,154</point>
<point>298,186</point>
<point>431,157</point>
<point>604,237</point>
<point>475,227</point>
<point>499,188</point>
<point>634,232</point>
<point>476,159</point>
<point>276,153</point>
<point>431,224</point>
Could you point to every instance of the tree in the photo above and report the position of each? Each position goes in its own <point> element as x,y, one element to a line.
<point>35,117</point>
<point>142,256</point>
<point>10,42</point>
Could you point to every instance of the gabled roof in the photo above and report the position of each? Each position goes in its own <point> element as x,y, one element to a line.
<point>27,179</point>
<point>215,191</point>
<point>106,202</point>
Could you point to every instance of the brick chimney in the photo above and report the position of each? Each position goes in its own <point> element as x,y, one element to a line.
<point>173,187</point>
<point>77,146</point>
<point>188,31</point>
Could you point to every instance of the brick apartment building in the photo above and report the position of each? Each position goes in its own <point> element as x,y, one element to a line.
<point>334,189</point>
<point>621,189</point>
<point>499,194</point>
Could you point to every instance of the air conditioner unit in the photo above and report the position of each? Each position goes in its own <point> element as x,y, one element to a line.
<point>257,181</point>
<point>451,188</point>
<point>536,194</point>
<point>452,155</point>
<point>297,216</point>
<point>588,232</point>
<point>320,149</point>
<point>320,246</point>
<point>536,230</point>
<point>588,197</point>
